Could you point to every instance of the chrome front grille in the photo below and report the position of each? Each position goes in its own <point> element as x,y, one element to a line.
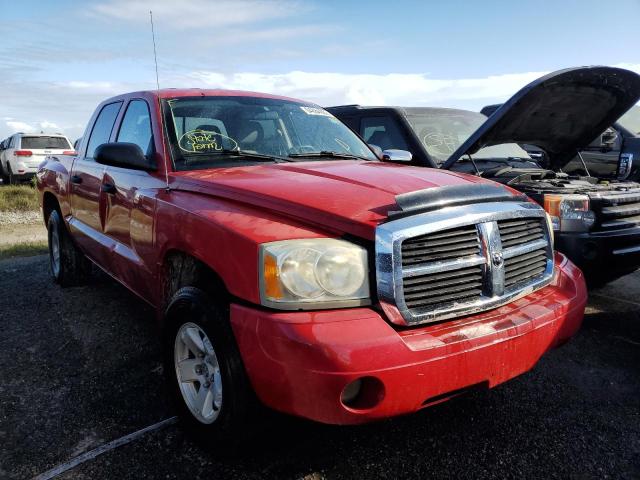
<point>518,231</point>
<point>618,211</point>
<point>436,287</point>
<point>437,247</point>
<point>525,267</point>
<point>461,260</point>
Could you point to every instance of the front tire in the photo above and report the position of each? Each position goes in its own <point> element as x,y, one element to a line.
<point>204,370</point>
<point>68,265</point>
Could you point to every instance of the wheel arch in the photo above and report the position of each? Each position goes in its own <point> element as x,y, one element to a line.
<point>49,204</point>
<point>181,269</point>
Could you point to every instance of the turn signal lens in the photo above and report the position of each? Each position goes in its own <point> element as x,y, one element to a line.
<point>272,285</point>
<point>569,213</point>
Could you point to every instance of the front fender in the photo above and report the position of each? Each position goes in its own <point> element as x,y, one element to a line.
<point>224,235</point>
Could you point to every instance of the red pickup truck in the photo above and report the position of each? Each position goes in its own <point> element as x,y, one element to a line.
<point>287,262</point>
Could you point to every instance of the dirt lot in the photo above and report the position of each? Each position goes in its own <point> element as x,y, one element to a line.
<point>81,367</point>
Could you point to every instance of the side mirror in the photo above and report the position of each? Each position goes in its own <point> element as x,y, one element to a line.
<point>122,154</point>
<point>608,138</point>
<point>393,155</point>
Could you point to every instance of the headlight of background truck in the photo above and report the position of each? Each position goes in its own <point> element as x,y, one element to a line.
<point>313,273</point>
<point>569,213</point>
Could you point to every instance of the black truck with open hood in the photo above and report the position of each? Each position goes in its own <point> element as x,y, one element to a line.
<point>613,154</point>
<point>597,221</point>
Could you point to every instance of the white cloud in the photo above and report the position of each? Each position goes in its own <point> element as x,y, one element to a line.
<point>411,89</point>
<point>89,85</point>
<point>20,126</point>
<point>391,89</point>
<point>199,13</point>
<point>50,126</point>
<point>67,106</point>
<point>273,34</point>
<point>33,127</point>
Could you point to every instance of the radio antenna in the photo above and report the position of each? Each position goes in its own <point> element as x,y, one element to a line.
<point>155,57</point>
<point>164,147</point>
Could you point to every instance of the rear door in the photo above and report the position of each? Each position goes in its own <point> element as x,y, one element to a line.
<point>85,187</point>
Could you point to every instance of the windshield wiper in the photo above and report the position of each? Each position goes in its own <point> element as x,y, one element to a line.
<point>327,153</point>
<point>241,153</point>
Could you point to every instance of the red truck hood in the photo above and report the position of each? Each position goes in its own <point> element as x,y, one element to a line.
<point>342,196</point>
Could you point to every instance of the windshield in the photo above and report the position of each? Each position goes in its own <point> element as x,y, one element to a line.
<point>631,120</point>
<point>41,142</point>
<point>443,131</point>
<point>209,132</point>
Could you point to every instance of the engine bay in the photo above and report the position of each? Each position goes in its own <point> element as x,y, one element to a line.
<point>529,178</point>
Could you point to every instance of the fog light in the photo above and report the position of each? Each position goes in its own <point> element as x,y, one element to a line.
<point>363,393</point>
<point>351,391</point>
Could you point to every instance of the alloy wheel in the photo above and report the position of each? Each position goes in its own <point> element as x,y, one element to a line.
<point>198,373</point>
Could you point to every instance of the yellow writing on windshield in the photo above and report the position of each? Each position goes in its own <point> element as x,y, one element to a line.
<point>201,141</point>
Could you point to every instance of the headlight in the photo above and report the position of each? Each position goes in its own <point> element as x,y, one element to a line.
<point>314,273</point>
<point>569,213</point>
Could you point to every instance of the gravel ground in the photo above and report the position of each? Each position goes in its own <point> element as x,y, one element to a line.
<point>20,218</point>
<point>21,227</point>
<point>81,367</point>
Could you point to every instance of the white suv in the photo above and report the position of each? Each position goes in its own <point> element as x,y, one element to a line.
<point>21,154</point>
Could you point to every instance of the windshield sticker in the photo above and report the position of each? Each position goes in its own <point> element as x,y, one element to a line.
<point>316,111</point>
<point>202,141</point>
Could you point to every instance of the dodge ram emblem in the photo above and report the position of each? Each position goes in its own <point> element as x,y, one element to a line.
<point>496,259</point>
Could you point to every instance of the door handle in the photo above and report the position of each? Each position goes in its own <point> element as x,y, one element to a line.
<point>109,188</point>
<point>76,179</point>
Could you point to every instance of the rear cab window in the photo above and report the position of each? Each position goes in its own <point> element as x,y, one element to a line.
<point>102,127</point>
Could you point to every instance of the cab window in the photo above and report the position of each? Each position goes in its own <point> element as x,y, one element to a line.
<point>383,132</point>
<point>103,126</point>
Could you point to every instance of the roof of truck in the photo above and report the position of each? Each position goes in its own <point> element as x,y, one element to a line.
<point>193,92</point>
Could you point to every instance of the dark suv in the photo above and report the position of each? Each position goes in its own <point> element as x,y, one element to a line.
<point>597,221</point>
<point>610,155</point>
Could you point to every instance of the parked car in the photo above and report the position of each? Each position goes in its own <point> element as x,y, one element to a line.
<point>597,222</point>
<point>609,156</point>
<point>283,258</point>
<point>3,147</point>
<point>25,151</point>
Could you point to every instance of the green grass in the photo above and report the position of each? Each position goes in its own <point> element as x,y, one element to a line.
<point>23,249</point>
<point>18,198</point>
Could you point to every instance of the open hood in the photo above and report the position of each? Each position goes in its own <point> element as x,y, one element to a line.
<point>560,112</point>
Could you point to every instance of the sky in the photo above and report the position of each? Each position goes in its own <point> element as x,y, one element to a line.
<point>59,59</point>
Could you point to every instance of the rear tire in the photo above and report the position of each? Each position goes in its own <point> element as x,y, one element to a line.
<point>3,175</point>
<point>12,180</point>
<point>202,361</point>
<point>68,265</point>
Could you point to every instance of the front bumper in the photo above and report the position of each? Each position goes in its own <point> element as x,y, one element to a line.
<point>602,255</point>
<point>300,362</point>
